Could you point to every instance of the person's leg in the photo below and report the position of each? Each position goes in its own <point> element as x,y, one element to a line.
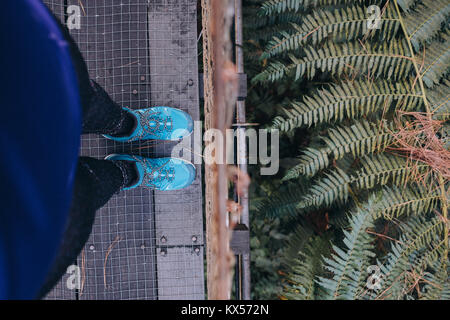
<point>95,183</point>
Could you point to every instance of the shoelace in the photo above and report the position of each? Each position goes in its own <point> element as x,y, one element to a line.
<point>152,123</point>
<point>164,173</point>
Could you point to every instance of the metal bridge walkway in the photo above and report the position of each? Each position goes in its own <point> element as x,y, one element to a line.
<point>145,244</point>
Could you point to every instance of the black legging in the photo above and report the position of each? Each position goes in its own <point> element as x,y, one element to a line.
<point>96,181</point>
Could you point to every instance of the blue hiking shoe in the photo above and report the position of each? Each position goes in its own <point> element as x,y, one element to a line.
<point>160,173</point>
<point>158,123</point>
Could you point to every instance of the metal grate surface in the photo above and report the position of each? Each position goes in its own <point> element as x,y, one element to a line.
<point>145,244</point>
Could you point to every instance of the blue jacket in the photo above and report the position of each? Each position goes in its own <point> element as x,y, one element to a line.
<point>40,126</point>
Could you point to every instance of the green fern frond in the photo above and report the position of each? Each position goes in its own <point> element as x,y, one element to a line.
<point>439,99</point>
<point>390,60</point>
<point>278,6</point>
<point>377,170</point>
<point>359,139</point>
<point>396,202</point>
<point>381,169</point>
<point>419,235</point>
<point>265,34</point>
<point>302,285</point>
<point>349,100</point>
<point>265,28</point>
<point>437,285</point>
<point>351,23</point>
<point>297,241</point>
<point>422,232</point>
<point>424,259</point>
<point>283,203</point>
<point>274,71</point>
<point>406,5</point>
<point>301,282</point>
<point>426,21</point>
<point>436,62</point>
<point>372,80</point>
<point>393,272</point>
<point>311,161</point>
<point>349,265</point>
<point>256,22</point>
<point>334,186</point>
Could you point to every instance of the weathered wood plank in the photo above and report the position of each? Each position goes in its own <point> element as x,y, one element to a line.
<point>180,273</point>
<point>174,77</point>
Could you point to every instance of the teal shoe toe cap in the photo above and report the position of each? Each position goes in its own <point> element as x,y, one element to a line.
<point>184,174</point>
<point>183,125</point>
